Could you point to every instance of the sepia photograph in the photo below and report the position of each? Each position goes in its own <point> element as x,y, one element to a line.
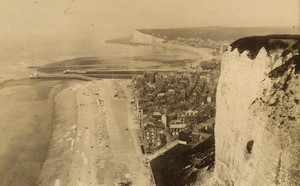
<point>149,93</point>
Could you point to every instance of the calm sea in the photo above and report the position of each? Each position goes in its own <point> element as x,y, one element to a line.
<point>17,58</point>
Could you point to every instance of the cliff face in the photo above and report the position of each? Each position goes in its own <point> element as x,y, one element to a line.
<point>139,37</point>
<point>258,113</point>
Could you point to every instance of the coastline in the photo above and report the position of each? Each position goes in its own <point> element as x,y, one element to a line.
<point>64,145</point>
<point>17,72</point>
<point>203,53</point>
<point>55,160</point>
<point>90,145</point>
<point>26,123</point>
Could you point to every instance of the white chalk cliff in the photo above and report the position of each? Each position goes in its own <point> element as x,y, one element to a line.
<point>258,113</point>
<point>139,37</point>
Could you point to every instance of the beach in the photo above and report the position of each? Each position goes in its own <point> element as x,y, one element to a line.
<point>72,132</point>
<point>204,54</point>
<point>94,140</point>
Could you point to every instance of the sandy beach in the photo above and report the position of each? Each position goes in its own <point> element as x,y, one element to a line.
<point>60,133</point>
<point>94,140</point>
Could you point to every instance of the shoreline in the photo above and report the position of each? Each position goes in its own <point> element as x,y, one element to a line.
<point>93,148</point>
<point>198,51</point>
<point>204,53</point>
<point>28,134</point>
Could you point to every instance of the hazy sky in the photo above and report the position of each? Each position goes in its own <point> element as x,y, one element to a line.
<point>109,18</point>
<point>35,30</point>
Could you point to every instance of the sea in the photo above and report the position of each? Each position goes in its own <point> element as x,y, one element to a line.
<point>14,62</point>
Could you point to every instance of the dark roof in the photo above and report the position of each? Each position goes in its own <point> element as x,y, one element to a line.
<point>172,114</point>
<point>195,134</point>
<point>210,121</point>
<point>149,125</point>
<point>174,121</point>
<point>156,114</point>
<point>145,104</point>
<point>188,130</point>
<point>205,135</point>
<point>159,125</point>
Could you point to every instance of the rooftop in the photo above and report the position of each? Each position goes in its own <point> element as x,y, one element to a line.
<point>187,130</point>
<point>176,126</point>
<point>156,114</point>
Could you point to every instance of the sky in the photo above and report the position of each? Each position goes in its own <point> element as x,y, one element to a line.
<point>109,18</point>
<point>33,28</point>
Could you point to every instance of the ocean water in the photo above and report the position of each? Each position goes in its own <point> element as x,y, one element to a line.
<point>14,60</point>
<point>39,53</point>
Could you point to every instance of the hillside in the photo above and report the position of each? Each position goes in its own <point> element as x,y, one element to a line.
<point>217,33</point>
<point>199,37</point>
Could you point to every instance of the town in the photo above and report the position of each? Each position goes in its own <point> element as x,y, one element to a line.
<point>174,106</point>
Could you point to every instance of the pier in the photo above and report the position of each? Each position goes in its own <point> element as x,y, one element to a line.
<point>61,76</point>
<point>91,75</point>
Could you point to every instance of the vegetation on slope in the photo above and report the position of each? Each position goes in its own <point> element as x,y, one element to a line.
<point>253,44</point>
<point>216,33</point>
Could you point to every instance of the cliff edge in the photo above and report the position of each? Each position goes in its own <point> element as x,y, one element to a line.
<point>258,113</point>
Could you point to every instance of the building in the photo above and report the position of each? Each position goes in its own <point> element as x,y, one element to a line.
<point>203,131</point>
<point>208,126</point>
<point>160,126</point>
<point>181,117</point>
<point>183,94</point>
<point>206,112</point>
<point>191,116</point>
<point>152,139</point>
<point>208,99</point>
<point>185,136</point>
<point>197,136</point>
<point>172,91</point>
<point>176,128</point>
<point>188,117</point>
<point>152,133</point>
<point>144,107</point>
<point>164,120</point>
<point>172,116</point>
<point>157,116</point>
<point>34,74</point>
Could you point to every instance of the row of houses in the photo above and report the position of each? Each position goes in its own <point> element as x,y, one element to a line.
<point>170,103</point>
<point>185,127</point>
<point>152,132</point>
<point>199,133</point>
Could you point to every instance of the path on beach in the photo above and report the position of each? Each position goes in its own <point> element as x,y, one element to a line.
<point>126,160</point>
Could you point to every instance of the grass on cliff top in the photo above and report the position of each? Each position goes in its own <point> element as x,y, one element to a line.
<point>271,42</point>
